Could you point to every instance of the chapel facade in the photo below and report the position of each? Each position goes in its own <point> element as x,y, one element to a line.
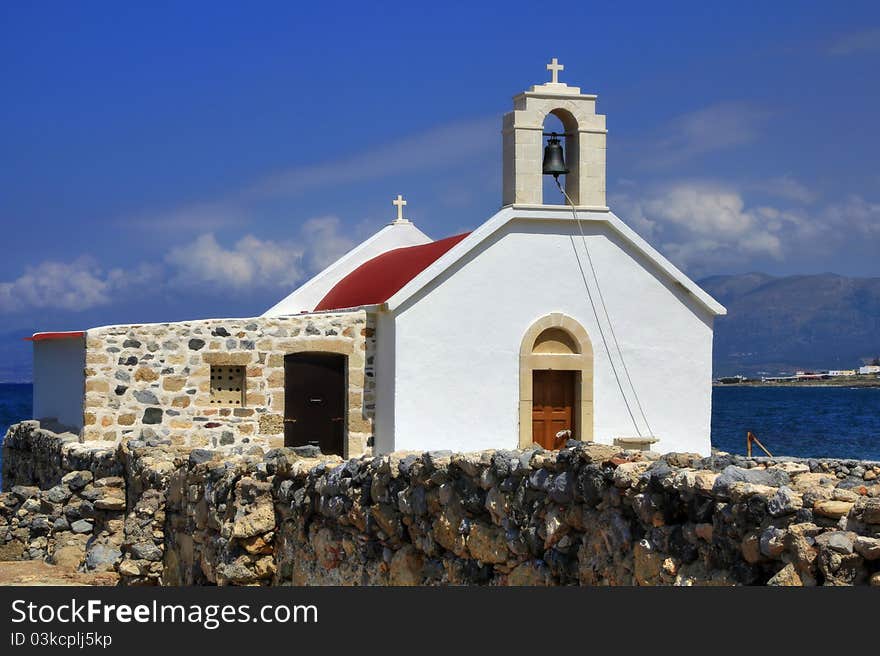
<point>547,322</point>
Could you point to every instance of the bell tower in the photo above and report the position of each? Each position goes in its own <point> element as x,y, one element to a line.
<point>584,144</point>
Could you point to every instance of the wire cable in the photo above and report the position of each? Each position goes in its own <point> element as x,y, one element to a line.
<point>577,257</point>
<point>610,324</point>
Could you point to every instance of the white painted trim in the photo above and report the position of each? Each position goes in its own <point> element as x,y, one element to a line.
<point>550,213</point>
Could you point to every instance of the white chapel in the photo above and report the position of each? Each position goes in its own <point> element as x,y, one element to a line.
<point>548,322</point>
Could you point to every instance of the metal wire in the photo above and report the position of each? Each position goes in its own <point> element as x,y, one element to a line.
<point>610,324</point>
<point>598,320</point>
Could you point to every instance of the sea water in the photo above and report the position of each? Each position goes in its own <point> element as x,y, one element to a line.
<point>15,404</point>
<point>809,422</point>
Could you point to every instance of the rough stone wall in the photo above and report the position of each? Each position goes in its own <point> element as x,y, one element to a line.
<point>153,380</point>
<point>588,514</point>
<point>64,501</point>
<point>584,515</point>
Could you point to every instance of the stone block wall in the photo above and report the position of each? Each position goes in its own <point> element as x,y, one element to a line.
<point>153,380</point>
<point>588,514</point>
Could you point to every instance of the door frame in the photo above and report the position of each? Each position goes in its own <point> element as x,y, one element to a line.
<point>358,425</point>
<point>342,362</point>
<point>581,361</point>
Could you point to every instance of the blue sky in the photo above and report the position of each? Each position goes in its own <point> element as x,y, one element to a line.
<point>178,160</point>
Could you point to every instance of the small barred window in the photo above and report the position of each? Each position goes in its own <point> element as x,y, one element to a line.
<point>227,385</point>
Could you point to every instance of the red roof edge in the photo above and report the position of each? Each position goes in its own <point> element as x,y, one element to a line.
<point>41,337</point>
<point>378,279</point>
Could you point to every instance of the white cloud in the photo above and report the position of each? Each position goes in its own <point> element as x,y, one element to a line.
<point>444,146</point>
<point>250,262</point>
<point>717,127</point>
<point>203,265</point>
<point>195,217</point>
<point>702,209</point>
<point>71,286</point>
<point>785,187</point>
<point>857,215</point>
<point>77,285</point>
<point>324,242</point>
<point>255,263</point>
<point>855,42</point>
<point>703,225</point>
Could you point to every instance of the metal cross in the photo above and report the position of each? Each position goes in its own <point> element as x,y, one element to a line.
<point>399,202</point>
<point>554,67</point>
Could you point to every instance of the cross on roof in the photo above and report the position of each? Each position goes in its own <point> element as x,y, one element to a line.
<point>399,203</point>
<point>554,67</point>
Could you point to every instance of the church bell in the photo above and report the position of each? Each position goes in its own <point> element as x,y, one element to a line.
<point>554,157</point>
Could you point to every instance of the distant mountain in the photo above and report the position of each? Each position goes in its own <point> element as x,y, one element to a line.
<point>775,324</point>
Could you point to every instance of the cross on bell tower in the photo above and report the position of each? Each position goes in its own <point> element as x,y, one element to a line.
<point>399,203</point>
<point>554,67</point>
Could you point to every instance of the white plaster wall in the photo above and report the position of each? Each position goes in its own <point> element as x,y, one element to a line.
<point>307,296</point>
<point>59,379</point>
<point>457,346</point>
<point>383,424</point>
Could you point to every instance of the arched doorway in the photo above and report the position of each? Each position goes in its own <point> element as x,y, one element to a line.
<point>556,383</point>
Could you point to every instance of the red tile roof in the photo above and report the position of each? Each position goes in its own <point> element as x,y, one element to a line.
<point>378,279</point>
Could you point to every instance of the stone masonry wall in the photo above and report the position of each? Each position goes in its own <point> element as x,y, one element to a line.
<point>153,380</point>
<point>588,514</point>
<point>64,501</point>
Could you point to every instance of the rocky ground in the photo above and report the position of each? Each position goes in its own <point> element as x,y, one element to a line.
<point>36,572</point>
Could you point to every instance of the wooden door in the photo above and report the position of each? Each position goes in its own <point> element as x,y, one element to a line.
<point>553,406</point>
<point>315,401</point>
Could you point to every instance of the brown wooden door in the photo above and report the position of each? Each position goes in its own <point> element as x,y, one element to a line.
<point>553,394</point>
<point>314,401</point>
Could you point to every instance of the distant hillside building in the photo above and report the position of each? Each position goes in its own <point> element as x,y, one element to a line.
<point>546,322</point>
<point>869,369</point>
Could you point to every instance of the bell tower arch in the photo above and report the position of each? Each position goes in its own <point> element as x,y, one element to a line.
<point>523,141</point>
